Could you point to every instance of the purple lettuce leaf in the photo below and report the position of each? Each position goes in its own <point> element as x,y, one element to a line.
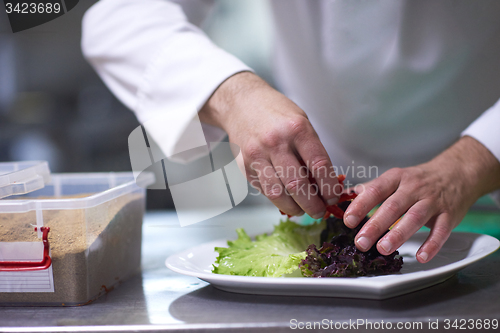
<point>339,257</point>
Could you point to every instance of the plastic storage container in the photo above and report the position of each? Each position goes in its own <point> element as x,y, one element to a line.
<point>93,238</point>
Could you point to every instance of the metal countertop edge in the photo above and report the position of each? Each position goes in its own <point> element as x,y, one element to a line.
<point>149,328</point>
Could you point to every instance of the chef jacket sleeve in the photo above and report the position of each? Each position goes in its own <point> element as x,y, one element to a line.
<point>486,129</point>
<point>159,64</point>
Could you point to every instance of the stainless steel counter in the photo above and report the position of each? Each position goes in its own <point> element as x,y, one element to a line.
<point>161,300</point>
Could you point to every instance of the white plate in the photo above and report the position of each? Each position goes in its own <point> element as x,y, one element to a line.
<point>460,250</point>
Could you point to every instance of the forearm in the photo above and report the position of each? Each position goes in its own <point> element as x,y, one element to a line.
<point>244,101</point>
<point>475,162</point>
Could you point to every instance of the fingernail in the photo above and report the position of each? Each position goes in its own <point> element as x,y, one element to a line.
<point>424,256</point>
<point>386,245</point>
<point>363,243</point>
<point>351,221</point>
<point>319,216</point>
<point>332,201</point>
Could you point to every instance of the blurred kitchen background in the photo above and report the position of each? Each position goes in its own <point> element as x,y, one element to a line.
<point>54,107</point>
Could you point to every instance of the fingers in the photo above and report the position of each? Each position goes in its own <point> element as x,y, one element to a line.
<point>271,186</point>
<point>411,222</point>
<point>418,193</point>
<point>436,239</point>
<point>372,194</point>
<point>276,159</point>
<point>390,211</point>
<point>420,213</point>
<point>294,179</point>
<point>316,158</point>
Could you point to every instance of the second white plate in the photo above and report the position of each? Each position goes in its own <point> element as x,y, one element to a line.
<point>460,250</point>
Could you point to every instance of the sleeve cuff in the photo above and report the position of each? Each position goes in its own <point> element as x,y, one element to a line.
<point>486,129</point>
<point>176,84</point>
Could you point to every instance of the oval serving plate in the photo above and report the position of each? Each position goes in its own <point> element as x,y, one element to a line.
<point>459,251</point>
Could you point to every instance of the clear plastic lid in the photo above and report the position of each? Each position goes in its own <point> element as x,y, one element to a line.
<point>23,177</point>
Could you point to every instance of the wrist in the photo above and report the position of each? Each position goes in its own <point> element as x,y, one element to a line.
<point>221,107</point>
<point>475,164</point>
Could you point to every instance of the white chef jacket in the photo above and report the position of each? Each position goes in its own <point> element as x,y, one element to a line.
<point>384,83</point>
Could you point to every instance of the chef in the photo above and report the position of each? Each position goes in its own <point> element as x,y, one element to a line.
<point>406,88</point>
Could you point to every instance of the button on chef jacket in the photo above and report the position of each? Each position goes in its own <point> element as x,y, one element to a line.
<point>384,83</point>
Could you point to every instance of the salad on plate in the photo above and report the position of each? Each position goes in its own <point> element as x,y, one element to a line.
<point>323,249</point>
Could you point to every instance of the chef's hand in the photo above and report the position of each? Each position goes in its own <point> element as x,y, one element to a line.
<point>436,194</point>
<point>274,135</point>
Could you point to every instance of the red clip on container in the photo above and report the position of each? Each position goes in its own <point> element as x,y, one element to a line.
<point>23,266</point>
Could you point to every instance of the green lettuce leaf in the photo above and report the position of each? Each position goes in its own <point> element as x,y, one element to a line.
<point>271,255</point>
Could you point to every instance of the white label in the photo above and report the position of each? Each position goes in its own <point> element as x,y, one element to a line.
<point>26,281</point>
